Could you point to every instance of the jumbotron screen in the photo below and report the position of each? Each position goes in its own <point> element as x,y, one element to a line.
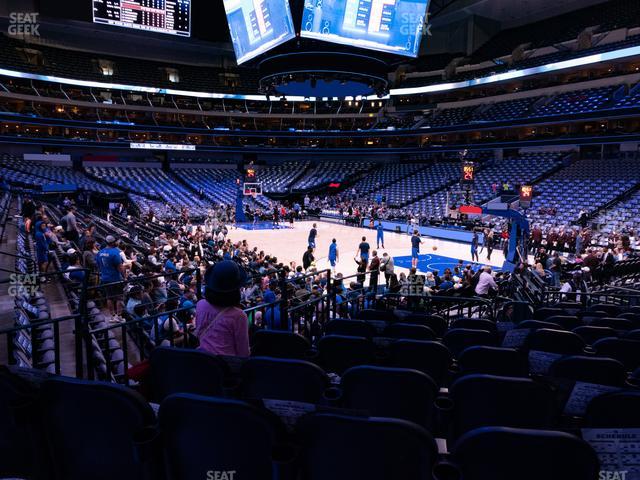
<point>257,26</point>
<point>161,16</point>
<point>394,26</point>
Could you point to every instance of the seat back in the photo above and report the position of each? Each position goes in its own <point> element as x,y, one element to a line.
<point>371,314</point>
<point>624,350</point>
<point>204,434</point>
<point>435,322</point>
<point>567,322</point>
<point>499,453</point>
<point>458,339</point>
<point>592,334</point>
<point>274,343</point>
<point>507,362</point>
<point>282,379</point>
<point>387,449</point>
<point>409,331</point>
<point>475,324</point>
<point>603,371</point>
<point>432,358</point>
<point>354,328</point>
<point>181,370</point>
<point>555,341</point>
<point>338,353</point>
<point>90,429</point>
<point>390,392</point>
<point>614,410</point>
<point>487,400</point>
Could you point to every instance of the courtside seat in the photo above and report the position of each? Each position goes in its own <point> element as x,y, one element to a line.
<point>337,353</point>
<point>499,453</point>
<point>602,371</point>
<point>92,429</point>
<point>282,379</point>
<point>390,392</point>
<point>614,410</point>
<point>203,434</point>
<point>488,400</point>
<point>507,362</point>
<point>178,370</point>
<point>339,447</point>
<point>432,358</point>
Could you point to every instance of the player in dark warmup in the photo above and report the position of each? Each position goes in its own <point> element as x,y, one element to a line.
<point>313,233</point>
<point>415,248</point>
<point>363,250</point>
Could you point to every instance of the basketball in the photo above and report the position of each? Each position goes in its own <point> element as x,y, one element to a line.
<point>435,248</point>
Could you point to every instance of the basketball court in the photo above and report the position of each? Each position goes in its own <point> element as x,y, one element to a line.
<point>289,244</point>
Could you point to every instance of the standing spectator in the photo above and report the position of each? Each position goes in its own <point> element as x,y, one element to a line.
<point>307,258</point>
<point>111,275</point>
<point>221,325</point>
<point>42,248</point>
<point>387,266</point>
<point>72,232</point>
<point>486,283</point>
<point>374,268</point>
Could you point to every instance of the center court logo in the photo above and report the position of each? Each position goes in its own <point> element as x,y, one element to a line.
<point>24,24</point>
<point>221,475</point>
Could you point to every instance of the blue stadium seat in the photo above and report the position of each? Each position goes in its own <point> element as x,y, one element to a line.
<point>602,371</point>
<point>506,362</point>
<point>387,449</point>
<point>177,370</point>
<point>390,392</point>
<point>499,453</point>
<point>203,434</point>
<point>282,379</point>
<point>614,410</point>
<point>432,358</point>
<point>92,429</point>
<point>487,400</point>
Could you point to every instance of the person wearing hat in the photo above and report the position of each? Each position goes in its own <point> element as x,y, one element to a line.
<point>221,325</point>
<point>111,269</point>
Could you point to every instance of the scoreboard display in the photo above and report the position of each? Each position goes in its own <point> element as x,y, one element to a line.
<point>526,195</point>
<point>161,16</point>
<point>468,173</point>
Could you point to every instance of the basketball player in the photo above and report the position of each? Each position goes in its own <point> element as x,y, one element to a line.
<point>415,248</point>
<point>379,235</point>
<point>313,233</point>
<point>333,253</point>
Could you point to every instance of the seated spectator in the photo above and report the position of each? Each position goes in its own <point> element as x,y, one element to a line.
<point>221,325</point>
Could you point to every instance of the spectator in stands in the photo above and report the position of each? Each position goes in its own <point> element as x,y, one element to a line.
<point>362,269</point>
<point>387,267</point>
<point>71,230</point>
<point>486,284</point>
<point>221,325</point>
<point>28,212</point>
<point>111,269</point>
<point>308,258</point>
<point>374,269</point>
<point>42,248</point>
<point>556,269</point>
